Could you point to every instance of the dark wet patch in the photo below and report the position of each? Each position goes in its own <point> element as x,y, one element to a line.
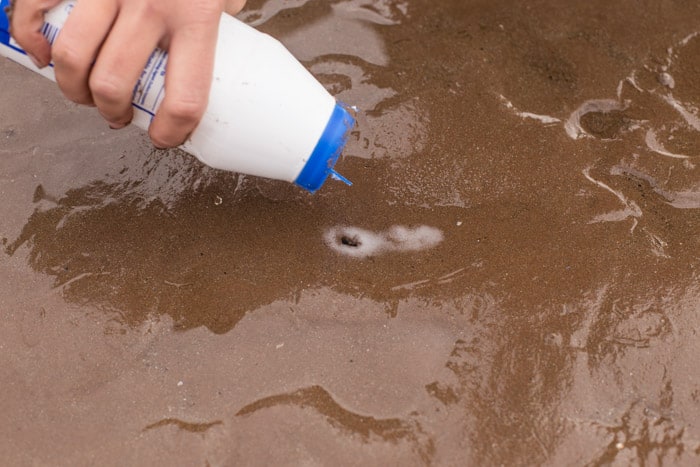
<point>552,67</point>
<point>186,426</point>
<point>604,125</point>
<point>444,394</point>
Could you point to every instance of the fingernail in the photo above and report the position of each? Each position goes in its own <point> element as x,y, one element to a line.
<point>158,144</point>
<point>118,125</point>
<point>35,60</point>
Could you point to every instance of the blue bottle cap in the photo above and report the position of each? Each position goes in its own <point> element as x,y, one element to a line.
<point>4,22</point>
<point>325,154</point>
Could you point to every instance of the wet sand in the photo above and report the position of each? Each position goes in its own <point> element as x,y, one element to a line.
<point>526,209</point>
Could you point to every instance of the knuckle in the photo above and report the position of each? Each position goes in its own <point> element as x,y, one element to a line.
<point>65,56</point>
<point>186,111</point>
<point>105,88</point>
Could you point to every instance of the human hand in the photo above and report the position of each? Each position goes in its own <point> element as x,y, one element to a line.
<point>105,44</point>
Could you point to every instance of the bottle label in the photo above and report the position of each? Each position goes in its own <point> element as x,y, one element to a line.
<point>150,88</point>
<point>50,32</point>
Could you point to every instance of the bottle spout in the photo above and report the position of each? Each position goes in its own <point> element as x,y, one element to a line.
<point>321,162</point>
<point>336,176</point>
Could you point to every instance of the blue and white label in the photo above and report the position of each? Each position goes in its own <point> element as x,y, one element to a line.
<point>150,88</point>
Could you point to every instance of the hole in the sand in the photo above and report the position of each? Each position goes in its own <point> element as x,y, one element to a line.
<point>350,240</point>
<point>361,243</point>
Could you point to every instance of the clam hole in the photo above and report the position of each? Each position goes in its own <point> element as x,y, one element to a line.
<point>352,241</point>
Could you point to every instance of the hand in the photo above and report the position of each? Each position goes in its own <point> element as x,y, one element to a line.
<point>105,44</point>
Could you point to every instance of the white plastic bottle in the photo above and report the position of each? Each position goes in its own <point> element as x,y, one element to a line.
<point>267,115</point>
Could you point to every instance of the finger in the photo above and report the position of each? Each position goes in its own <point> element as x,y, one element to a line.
<point>78,44</point>
<point>187,83</point>
<point>119,65</point>
<point>233,7</point>
<point>27,20</point>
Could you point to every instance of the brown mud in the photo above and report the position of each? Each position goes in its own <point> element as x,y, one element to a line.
<point>512,279</point>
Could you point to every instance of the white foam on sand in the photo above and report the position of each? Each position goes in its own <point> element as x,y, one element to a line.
<point>545,119</point>
<point>361,243</point>
<point>653,144</point>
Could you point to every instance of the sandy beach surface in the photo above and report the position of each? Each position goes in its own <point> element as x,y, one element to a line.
<point>511,280</point>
